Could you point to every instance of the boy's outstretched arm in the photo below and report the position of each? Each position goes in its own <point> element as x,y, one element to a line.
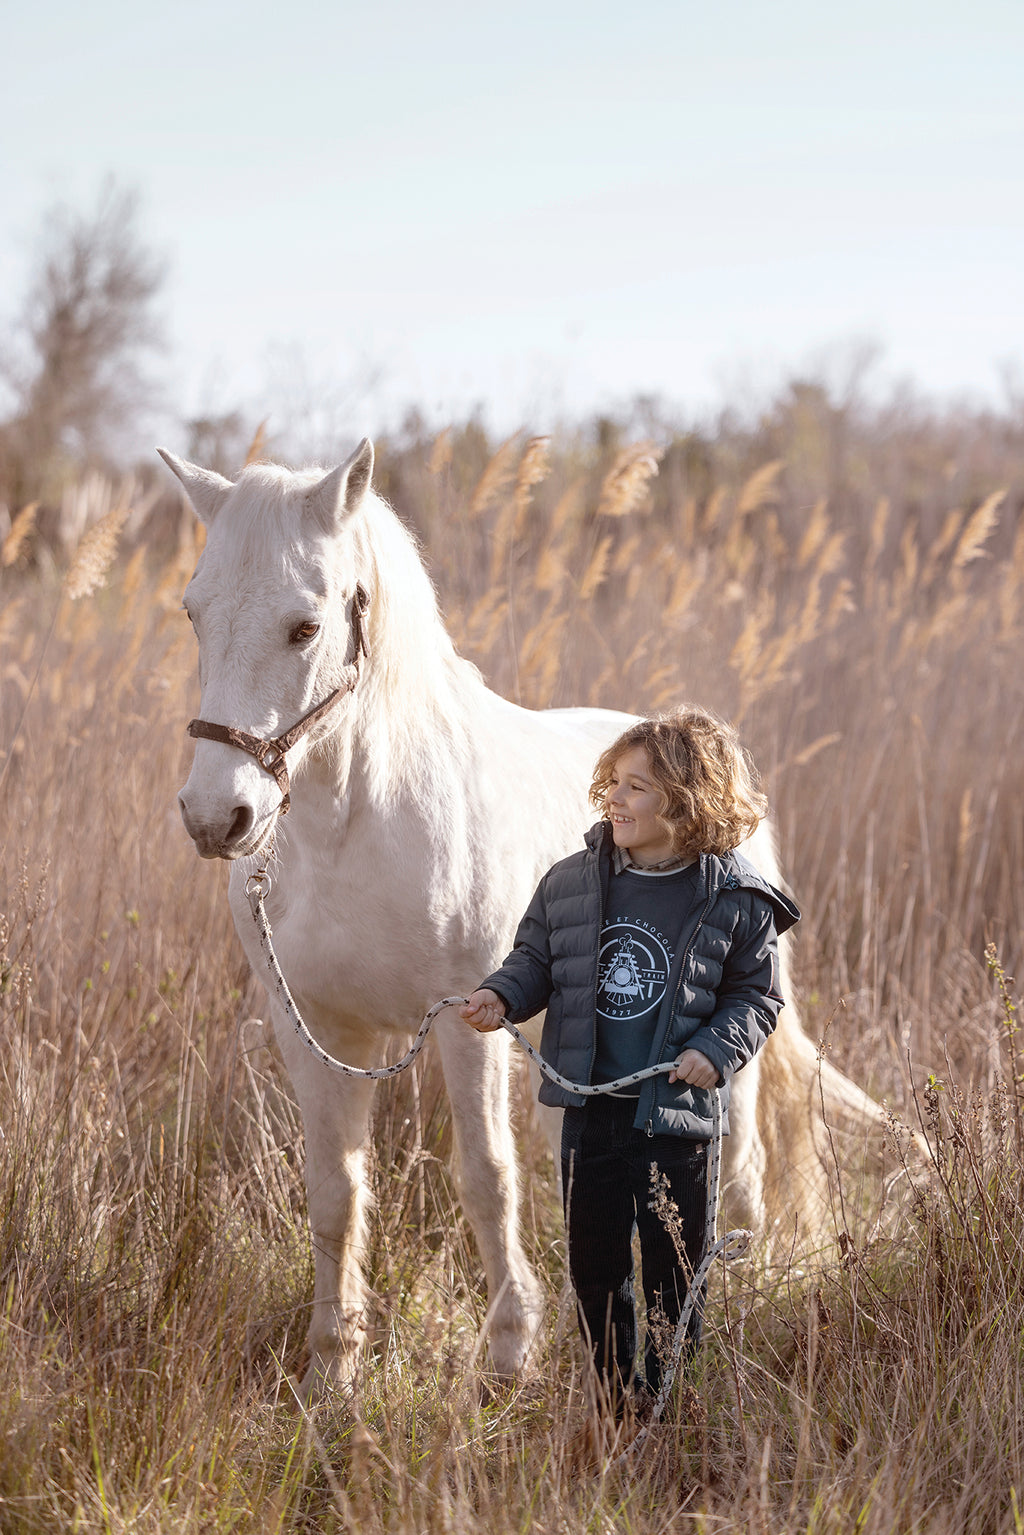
<point>484,1010</point>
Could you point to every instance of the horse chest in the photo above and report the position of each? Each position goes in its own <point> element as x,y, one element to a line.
<point>362,952</point>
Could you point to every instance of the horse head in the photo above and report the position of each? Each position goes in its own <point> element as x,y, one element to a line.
<point>277,609</point>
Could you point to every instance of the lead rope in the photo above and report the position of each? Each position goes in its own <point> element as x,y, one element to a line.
<point>732,1245</point>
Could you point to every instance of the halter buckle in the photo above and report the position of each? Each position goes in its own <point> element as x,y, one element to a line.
<point>269,754</point>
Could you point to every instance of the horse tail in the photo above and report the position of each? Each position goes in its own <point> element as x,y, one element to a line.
<point>815,1125</point>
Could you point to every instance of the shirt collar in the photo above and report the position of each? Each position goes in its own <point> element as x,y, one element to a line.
<point>621,861</point>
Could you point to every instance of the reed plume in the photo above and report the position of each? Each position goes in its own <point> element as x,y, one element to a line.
<point>979,528</point>
<point>714,510</point>
<point>624,488</point>
<point>95,555</point>
<point>441,452</point>
<point>499,474</point>
<point>568,508</point>
<point>534,467</point>
<point>551,569</point>
<point>18,533</point>
<point>814,533</point>
<point>951,526</point>
<point>258,446</point>
<point>597,569</point>
<point>760,489</point>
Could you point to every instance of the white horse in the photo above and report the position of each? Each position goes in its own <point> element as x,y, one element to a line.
<point>425,809</point>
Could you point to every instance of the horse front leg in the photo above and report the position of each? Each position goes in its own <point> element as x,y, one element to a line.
<point>335,1116</point>
<point>476,1069</point>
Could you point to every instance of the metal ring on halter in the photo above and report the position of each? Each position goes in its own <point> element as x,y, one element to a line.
<point>258,885</point>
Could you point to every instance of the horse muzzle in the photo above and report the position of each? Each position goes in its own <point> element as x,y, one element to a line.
<point>236,833</point>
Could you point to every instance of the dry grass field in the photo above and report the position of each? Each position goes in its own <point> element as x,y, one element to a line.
<point>864,628</point>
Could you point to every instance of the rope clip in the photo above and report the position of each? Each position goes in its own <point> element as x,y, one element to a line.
<point>257,887</point>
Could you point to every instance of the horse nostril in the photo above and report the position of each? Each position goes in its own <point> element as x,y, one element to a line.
<point>241,823</point>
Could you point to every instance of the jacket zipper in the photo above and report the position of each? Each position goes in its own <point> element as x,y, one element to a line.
<point>649,1126</point>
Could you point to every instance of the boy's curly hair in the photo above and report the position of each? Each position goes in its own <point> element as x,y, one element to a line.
<point>711,797</point>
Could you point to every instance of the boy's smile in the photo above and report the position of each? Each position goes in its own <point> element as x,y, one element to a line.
<point>632,804</point>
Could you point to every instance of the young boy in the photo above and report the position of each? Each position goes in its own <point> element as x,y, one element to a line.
<point>658,942</point>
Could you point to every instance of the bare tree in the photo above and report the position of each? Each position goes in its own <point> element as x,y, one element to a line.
<point>75,365</point>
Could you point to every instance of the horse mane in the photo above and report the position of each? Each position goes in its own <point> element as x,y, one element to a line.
<point>416,658</point>
<point>420,693</point>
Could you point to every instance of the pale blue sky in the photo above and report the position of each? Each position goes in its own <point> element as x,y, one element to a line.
<point>545,208</point>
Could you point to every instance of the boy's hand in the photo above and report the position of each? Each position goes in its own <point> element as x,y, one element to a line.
<point>694,1068</point>
<point>484,1010</point>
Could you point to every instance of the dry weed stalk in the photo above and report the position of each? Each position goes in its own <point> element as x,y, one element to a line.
<point>686,522</point>
<point>258,446</point>
<point>944,540</point>
<point>814,533</point>
<point>534,468</point>
<point>551,570</point>
<point>1011,587</point>
<point>624,489</point>
<point>831,557</point>
<point>511,519</point>
<point>499,474</point>
<point>477,620</point>
<point>568,508</point>
<point>876,546</point>
<point>840,603</point>
<point>686,583</point>
<point>95,555</point>
<point>539,654</point>
<point>810,751</point>
<point>597,569</point>
<point>965,824</point>
<point>713,509</point>
<point>747,649</point>
<point>11,613</point>
<point>626,556</point>
<point>441,452</point>
<point>760,489</point>
<point>18,533</point>
<point>979,528</point>
<point>134,576</point>
<point>905,581</point>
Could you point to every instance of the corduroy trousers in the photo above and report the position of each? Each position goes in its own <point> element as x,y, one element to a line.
<point>607,1189</point>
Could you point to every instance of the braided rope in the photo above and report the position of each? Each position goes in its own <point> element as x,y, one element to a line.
<point>732,1245</point>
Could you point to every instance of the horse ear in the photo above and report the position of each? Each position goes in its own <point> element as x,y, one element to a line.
<point>205,489</point>
<point>337,496</point>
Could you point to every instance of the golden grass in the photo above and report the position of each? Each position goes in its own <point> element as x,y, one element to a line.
<point>154,1259</point>
<point>18,534</point>
<point>95,554</point>
<point>624,487</point>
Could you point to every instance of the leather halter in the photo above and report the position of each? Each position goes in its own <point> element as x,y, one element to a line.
<point>271,754</point>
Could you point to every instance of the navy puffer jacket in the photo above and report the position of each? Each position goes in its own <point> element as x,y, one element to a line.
<point>722,998</point>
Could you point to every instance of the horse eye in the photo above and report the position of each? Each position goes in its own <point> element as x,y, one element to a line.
<point>303,632</point>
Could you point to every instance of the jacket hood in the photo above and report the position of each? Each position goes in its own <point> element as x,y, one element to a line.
<point>735,872</point>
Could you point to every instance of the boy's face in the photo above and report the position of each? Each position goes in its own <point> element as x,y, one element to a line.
<point>632,803</point>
